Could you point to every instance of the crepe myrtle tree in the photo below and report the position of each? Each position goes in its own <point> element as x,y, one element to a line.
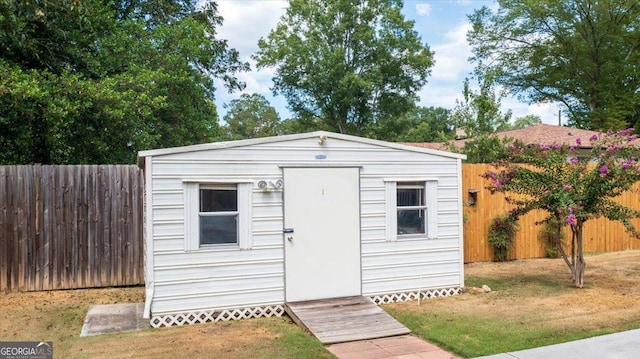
<point>570,189</point>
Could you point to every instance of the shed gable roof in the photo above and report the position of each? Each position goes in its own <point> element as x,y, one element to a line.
<point>284,138</point>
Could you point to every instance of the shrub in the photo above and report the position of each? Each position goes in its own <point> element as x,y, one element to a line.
<point>502,233</point>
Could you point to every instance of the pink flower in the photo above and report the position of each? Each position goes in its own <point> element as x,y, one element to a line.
<point>626,131</point>
<point>556,146</point>
<point>593,138</point>
<point>544,147</point>
<point>574,160</point>
<point>572,148</point>
<point>571,219</point>
<point>578,141</point>
<point>603,170</point>
<point>626,165</point>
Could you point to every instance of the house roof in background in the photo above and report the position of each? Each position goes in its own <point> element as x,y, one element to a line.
<point>532,135</point>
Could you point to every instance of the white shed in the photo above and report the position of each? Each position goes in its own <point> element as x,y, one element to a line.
<point>236,229</point>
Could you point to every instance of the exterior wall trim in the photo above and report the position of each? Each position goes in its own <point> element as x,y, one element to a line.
<point>205,316</point>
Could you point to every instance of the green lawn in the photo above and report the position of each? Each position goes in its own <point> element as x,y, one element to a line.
<point>533,304</point>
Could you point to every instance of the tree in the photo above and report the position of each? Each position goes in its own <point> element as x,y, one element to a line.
<point>479,111</point>
<point>582,53</point>
<point>95,82</point>
<point>572,191</point>
<point>421,124</point>
<point>526,121</point>
<point>348,63</point>
<point>484,148</point>
<point>250,116</point>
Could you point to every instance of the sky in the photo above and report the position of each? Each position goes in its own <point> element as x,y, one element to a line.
<point>441,24</point>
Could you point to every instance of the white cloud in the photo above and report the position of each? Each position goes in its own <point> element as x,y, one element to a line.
<point>440,96</point>
<point>245,22</point>
<point>423,9</point>
<point>451,56</point>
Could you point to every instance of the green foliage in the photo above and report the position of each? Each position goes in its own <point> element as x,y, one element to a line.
<point>502,233</point>
<point>479,111</point>
<point>95,82</point>
<point>572,191</point>
<point>582,53</point>
<point>250,116</point>
<point>553,237</point>
<point>421,124</point>
<point>297,125</point>
<point>346,63</point>
<point>484,149</point>
<point>526,121</point>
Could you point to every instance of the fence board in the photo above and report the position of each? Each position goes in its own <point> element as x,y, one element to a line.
<point>65,227</point>
<point>600,235</point>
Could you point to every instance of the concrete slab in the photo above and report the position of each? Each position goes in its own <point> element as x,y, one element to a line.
<point>114,318</point>
<point>623,345</point>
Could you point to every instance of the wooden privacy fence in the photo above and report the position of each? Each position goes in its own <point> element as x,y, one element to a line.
<point>64,227</point>
<point>600,235</point>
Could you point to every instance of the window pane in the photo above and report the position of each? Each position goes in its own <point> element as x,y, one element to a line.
<point>410,197</point>
<point>218,229</point>
<point>218,200</point>
<point>411,221</point>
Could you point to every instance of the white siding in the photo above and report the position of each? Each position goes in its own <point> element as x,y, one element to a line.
<point>216,279</point>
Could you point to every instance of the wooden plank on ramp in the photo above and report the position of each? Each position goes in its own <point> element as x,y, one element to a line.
<point>346,319</point>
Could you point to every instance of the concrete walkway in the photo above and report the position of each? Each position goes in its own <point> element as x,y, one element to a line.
<point>400,347</point>
<point>623,345</point>
<point>114,318</point>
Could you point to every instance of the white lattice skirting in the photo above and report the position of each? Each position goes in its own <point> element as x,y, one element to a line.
<point>216,316</point>
<point>404,296</point>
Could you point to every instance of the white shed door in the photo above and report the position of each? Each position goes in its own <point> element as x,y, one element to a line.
<point>322,254</point>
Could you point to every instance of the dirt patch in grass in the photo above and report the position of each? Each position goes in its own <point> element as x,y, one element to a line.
<point>608,300</point>
<point>57,316</point>
<point>535,299</point>
<point>539,293</point>
<point>533,303</point>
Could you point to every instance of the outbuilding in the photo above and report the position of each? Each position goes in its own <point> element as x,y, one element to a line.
<point>236,229</point>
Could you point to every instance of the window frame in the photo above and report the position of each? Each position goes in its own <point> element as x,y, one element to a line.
<point>235,214</point>
<point>430,199</point>
<point>420,185</point>
<point>192,213</point>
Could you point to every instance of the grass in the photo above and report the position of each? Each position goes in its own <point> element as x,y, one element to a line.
<point>472,336</point>
<point>532,304</point>
<point>57,316</point>
<point>528,308</point>
<point>251,338</point>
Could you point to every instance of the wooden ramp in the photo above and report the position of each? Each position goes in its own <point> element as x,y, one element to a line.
<point>346,319</point>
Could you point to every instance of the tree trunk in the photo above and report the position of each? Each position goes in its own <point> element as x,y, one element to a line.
<point>573,253</point>
<point>580,264</point>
